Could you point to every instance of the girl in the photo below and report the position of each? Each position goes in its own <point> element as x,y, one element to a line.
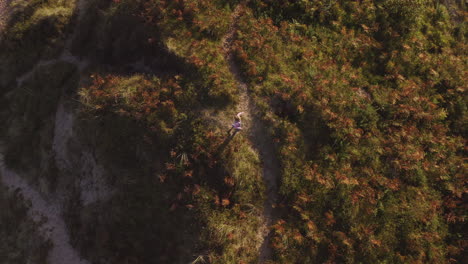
<point>237,126</point>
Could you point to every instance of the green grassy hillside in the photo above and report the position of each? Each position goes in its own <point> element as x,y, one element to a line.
<point>364,103</point>
<point>369,105</point>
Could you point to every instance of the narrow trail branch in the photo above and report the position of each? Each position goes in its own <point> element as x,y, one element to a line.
<point>259,136</point>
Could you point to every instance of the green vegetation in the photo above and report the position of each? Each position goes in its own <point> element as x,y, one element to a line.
<point>36,30</point>
<point>365,101</point>
<point>179,168</point>
<point>372,122</point>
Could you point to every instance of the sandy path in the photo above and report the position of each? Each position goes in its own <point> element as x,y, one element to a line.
<point>258,134</point>
<point>92,181</point>
<point>49,212</point>
<point>54,227</point>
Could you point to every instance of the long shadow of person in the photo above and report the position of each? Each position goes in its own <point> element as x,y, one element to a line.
<point>226,141</point>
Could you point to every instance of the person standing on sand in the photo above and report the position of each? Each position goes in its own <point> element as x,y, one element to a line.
<point>237,126</point>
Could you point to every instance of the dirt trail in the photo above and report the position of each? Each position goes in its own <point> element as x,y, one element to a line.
<point>258,134</point>
<point>453,9</point>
